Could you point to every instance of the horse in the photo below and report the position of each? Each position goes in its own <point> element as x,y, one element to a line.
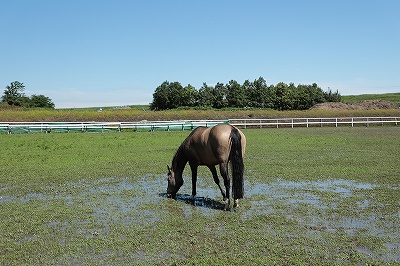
<point>218,145</point>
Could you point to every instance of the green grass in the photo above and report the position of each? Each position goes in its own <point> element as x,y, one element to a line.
<point>135,115</point>
<point>313,196</point>
<point>390,97</point>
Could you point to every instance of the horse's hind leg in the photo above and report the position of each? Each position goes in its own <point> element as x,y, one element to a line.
<point>223,168</point>
<point>216,180</point>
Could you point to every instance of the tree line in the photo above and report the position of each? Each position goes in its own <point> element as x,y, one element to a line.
<point>14,95</point>
<point>256,94</point>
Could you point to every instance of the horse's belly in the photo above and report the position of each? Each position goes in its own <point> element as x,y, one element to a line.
<point>207,158</point>
<point>209,161</point>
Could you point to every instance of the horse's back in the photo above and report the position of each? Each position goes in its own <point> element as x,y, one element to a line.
<point>222,135</point>
<point>220,139</point>
<point>211,146</point>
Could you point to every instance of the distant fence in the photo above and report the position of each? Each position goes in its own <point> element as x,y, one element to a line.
<point>314,122</point>
<point>30,127</point>
<point>47,127</point>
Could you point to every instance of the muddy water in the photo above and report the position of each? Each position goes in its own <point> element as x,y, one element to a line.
<point>311,204</point>
<point>113,195</point>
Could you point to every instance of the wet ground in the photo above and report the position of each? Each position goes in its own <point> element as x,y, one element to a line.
<point>320,206</point>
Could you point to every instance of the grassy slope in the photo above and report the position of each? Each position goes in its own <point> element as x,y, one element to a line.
<point>390,97</point>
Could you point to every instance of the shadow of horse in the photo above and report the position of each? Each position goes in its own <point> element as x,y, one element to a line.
<point>197,201</point>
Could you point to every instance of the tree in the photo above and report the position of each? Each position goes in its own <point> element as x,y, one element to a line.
<point>251,94</point>
<point>220,92</point>
<point>257,93</point>
<point>13,93</point>
<point>281,99</point>
<point>170,95</point>
<point>308,96</point>
<point>160,97</point>
<point>174,91</point>
<point>188,96</point>
<point>41,101</point>
<point>206,96</point>
<point>235,95</point>
<point>332,96</point>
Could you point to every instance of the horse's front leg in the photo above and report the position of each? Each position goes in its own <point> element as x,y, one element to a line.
<point>193,167</point>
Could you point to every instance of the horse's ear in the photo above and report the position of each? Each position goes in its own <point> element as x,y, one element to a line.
<point>169,169</point>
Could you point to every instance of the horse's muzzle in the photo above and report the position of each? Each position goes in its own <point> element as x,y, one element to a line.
<point>171,195</point>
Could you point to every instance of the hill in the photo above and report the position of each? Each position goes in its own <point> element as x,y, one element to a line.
<point>363,105</point>
<point>390,97</point>
<point>363,102</point>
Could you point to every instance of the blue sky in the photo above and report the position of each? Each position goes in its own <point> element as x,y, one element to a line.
<point>105,53</point>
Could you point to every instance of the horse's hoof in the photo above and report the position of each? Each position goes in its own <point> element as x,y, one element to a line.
<point>236,204</point>
<point>227,203</point>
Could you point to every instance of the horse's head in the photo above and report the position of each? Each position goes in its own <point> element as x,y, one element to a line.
<point>172,185</point>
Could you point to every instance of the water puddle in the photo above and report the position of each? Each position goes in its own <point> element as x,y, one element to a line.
<point>127,201</point>
<point>122,195</point>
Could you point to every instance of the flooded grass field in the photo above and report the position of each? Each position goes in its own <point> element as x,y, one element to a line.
<point>312,196</point>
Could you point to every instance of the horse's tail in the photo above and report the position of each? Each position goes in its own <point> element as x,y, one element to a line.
<point>236,159</point>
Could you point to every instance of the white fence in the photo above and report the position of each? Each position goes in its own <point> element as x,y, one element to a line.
<point>314,122</point>
<point>28,127</point>
<point>47,127</point>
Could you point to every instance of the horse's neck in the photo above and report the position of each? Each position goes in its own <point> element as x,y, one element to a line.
<point>179,162</point>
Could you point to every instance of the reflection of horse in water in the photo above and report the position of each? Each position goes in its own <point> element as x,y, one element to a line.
<point>211,146</point>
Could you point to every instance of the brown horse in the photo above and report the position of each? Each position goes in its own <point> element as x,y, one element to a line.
<point>211,146</point>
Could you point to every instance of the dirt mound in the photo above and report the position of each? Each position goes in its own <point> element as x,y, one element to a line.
<point>363,105</point>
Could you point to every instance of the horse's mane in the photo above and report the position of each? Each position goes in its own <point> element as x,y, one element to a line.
<point>179,156</point>
<point>176,157</point>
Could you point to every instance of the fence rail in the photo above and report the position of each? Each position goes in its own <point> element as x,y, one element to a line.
<point>47,127</point>
<point>314,122</point>
<point>28,127</point>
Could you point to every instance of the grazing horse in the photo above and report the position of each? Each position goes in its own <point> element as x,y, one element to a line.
<point>211,146</point>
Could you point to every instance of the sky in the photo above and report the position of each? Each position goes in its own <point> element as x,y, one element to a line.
<point>83,53</point>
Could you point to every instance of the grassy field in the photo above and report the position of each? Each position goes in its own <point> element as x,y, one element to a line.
<point>132,115</point>
<point>313,196</point>
<point>390,97</point>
